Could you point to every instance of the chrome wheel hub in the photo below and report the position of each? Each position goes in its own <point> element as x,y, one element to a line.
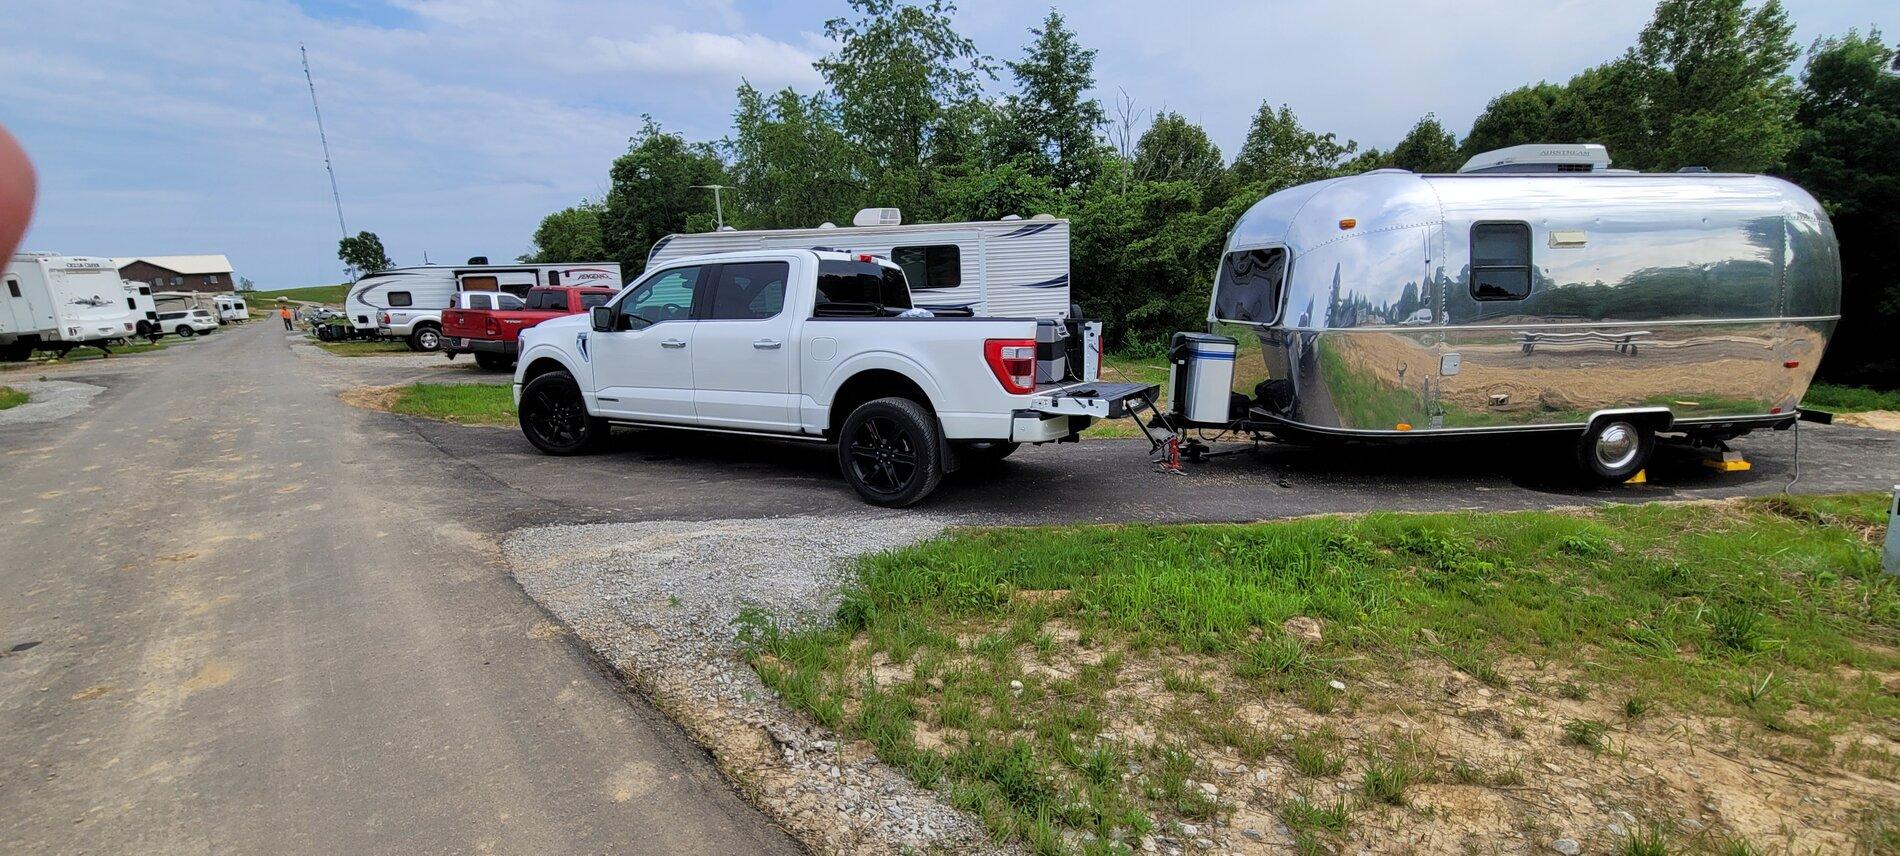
<point>1616,446</point>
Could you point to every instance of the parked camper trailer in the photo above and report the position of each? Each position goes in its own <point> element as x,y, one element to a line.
<point>1567,298</point>
<point>407,302</point>
<point>58,303</point>
<point>230,308</point>
<point>144,310</point>
<point>997,268</point>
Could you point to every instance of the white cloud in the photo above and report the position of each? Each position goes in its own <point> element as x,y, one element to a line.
<point>670,53</point>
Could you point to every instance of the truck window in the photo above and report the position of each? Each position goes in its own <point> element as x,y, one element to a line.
<point>591,299</point>
<point>479,301</point>
<point>1248,289</point>
<point>550,300</point>
<point>504,300</point>
<point>860,284</point>
<point>934,266</point>
<point>749,291</point>
<point>1500,261</point>
<point>668,296</point>
<point>401,298</point>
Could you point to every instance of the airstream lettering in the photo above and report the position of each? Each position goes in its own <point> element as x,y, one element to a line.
<point>1607,304</point>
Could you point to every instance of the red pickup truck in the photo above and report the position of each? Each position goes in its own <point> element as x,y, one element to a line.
<point>488,323</point>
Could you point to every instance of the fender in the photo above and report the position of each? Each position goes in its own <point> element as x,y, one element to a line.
<point>879,359</point>
<point>549,351</point>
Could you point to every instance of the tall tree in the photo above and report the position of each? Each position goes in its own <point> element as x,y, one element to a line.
<point>569,235</point>
<point>1175,149</point>
<point>1707,83</point>
<point>1428,147</point>
<point>1848,155</point>
<point>652,193</point>
<point>1519,116</point>
<point>895,70</point>
<point>364,252</point>
<point>791,161</point>
<point>1053,107</point>
<point>1279,152</point>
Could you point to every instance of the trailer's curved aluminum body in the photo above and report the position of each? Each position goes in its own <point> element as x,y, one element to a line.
<point>1710,296</point>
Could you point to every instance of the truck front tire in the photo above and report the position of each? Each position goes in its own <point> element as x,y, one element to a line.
<point>554,416</point>
<point>890,452</point>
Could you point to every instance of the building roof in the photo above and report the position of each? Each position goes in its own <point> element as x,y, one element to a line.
<point>182,264</point>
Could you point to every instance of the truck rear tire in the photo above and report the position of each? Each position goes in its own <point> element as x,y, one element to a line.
<point>493,362</point>
<point>1614,450</point>
<point>890,452</point>
<point>554,417</point>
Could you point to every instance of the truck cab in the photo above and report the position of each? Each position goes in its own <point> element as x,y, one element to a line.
<point>488,324</point>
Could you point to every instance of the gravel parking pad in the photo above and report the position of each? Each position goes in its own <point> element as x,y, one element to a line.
<point>48,401</point>
<point>659,600</point>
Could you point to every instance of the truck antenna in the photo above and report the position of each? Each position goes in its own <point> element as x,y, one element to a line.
<point>719,209</point>
<point>324,141</point>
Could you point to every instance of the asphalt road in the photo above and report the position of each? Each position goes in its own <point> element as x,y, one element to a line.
<point>244,617</point>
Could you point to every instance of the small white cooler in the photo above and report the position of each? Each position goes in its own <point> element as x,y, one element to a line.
<point>1201,377</point>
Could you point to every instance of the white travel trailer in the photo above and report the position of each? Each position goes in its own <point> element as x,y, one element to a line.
<point>995,268</point>
<point>59,303</point>
<point>407,302</point>
<point>144,310</point>
<point>230,308</point>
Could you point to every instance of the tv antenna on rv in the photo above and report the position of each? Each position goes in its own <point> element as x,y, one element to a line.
<point>325,142</point>
<point>719,209</point>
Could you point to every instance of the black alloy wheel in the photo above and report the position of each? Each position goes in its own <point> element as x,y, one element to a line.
<point>888,450</point>
<point>555,419</point>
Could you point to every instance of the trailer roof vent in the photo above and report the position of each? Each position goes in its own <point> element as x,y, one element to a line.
<point>1541,157</point>
<point>478,260</point>
<point>878,217</point>
<point>1042,218</point>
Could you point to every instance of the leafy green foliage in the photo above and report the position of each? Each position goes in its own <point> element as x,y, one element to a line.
<point>569,235</point>
<point>1056,119</point>
<point>364,252</point>
<point>10,397</point>
<point>1428,147</point>
<point>652,194</point>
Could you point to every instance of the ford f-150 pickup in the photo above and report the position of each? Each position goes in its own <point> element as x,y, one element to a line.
<point>488,324</point>
<point>803,344</point>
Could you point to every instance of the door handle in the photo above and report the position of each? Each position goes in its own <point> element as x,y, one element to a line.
<point>766,344</point>
<point>672,343</point>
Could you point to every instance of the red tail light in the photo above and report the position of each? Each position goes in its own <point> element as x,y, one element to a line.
<point>383,318</point>
<point>492,328</point>
<point>1014,363</point>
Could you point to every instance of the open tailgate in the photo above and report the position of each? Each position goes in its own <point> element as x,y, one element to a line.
<point>1098,399</point>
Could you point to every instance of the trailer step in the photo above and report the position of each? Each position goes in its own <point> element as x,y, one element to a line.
<point>1099,400</point>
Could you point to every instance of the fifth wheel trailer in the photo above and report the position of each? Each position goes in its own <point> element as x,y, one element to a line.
<point>1528,295</point>
<point>59,303</point>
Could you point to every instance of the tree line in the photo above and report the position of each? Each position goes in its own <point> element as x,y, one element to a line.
<point>913,114</point>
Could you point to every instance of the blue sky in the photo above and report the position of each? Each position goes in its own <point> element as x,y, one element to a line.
<point>174,126</point>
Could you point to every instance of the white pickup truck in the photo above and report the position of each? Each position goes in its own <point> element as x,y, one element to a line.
<point>803,344</point>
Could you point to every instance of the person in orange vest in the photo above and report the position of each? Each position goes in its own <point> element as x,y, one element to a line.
<point>284,313</point>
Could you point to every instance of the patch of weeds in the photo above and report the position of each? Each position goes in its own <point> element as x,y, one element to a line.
<point>1635,706</point>
<point>1466,773</point>
<point>1573,691</point>
<point>1102,767</point>
<point>1754,693</point>
<point>1583,546</point>
<point>1476,663</point>
<point>1738,847</point>
<point>1187,682</point>
<point>1314,754</point>
<point>1587,733</point>
<point>1736,628</point>
<point>1650,841</point>
<point>1302,814</point>
<point>1276,655</point>
<point>1385,781</point>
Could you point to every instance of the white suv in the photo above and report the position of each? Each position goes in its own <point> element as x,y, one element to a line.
<point>187,322</point>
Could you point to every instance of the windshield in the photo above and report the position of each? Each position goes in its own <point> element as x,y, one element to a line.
<point>1248,290</point>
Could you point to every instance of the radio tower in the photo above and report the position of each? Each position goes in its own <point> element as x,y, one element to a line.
<point>325,142</point>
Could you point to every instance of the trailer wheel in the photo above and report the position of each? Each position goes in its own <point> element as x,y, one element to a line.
<point>425,339</point>
<point>1615,450</point>
<point>492,362</point>
<point>888,450</point>
<point>554,417</point>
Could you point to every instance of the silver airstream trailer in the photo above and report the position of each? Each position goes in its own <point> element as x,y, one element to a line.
<point>1536,290</point>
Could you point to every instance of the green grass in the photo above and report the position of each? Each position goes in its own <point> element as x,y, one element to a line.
<point>41,359</point>
<point>364,348</point>
<point>1742,610</point>
<point>10,397</point>
<point>1850,399</point>
<point>464,403</point>
<point>329,294</point>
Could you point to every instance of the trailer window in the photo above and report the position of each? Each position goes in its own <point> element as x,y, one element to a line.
<point>13,287</point>
<point>480,283</point>
<point>867,287</point>
<point>935,266</point>
<point>401,298</point>
<point>750,291</point>
<point>1500,261</point>
<point>1249,287</point>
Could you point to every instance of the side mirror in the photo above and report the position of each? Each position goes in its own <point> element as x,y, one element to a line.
<point>602,318</point>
